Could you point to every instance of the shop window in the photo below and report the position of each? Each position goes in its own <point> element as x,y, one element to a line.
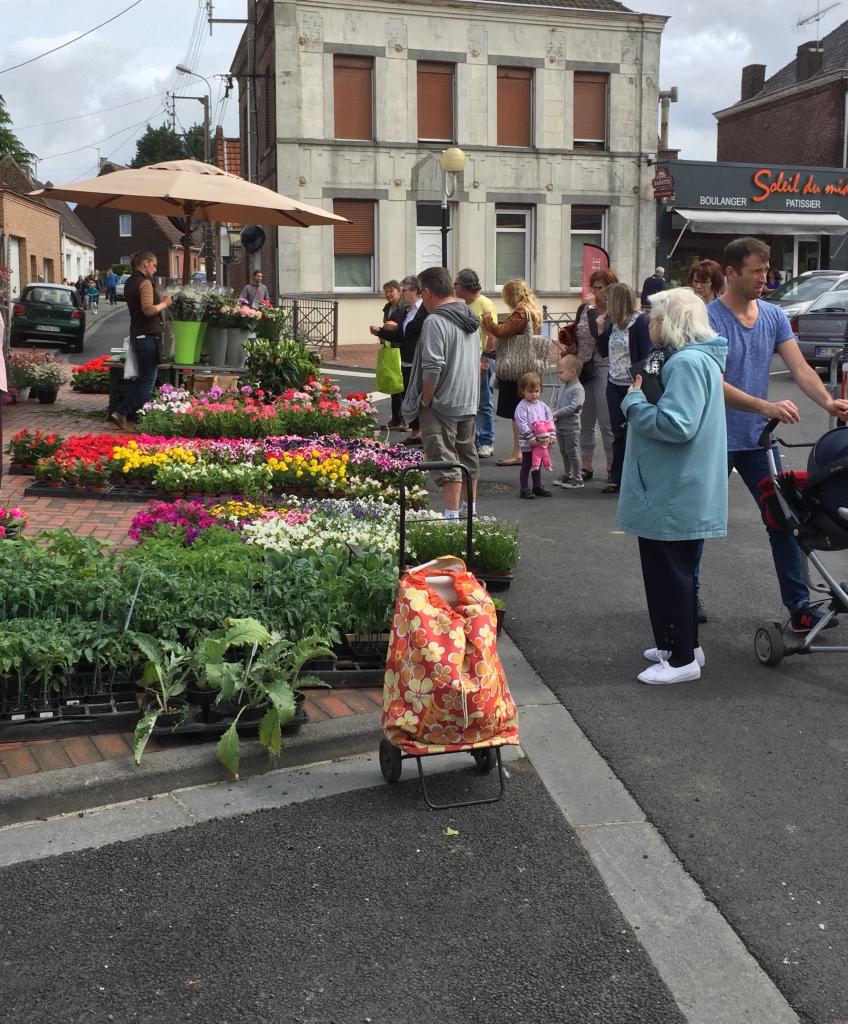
<point>435,102</point>
<point>353,249</point>
<point>515,106</point>
<point>353,95</point>
<point>512,244</point>
<point>590,110</point>
<point>588,224</point>
<point>125,225</point>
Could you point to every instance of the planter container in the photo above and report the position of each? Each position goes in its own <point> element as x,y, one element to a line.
<point>499,613</point>
<point>201,698</point>
<point>495,579</point>
<point>47,396</point>
<point>215,345</point>
<point>23,394</point>
<point>236,337</point>
<point>188,340</point>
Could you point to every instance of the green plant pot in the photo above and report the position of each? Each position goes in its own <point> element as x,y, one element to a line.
<point>188,340</point>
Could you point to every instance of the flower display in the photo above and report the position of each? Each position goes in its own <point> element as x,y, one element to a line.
<point>321,468</point>
<point>141,461</point>
<point>12,519</point>
<point>28,446</point>
<point>91,377</point>
<point>192,517</point>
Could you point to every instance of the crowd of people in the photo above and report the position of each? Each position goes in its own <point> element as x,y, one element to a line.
<point>678,391</point>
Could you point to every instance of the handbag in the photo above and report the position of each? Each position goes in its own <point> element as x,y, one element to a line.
<point>650,369</point>
<point>522,353</point>
<point>389,377</point>
<point>130,362</point>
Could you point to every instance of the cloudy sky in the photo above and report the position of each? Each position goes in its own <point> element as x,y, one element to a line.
<point>131,61</point>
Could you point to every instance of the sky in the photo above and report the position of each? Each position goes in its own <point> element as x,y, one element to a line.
<point>132,61</point>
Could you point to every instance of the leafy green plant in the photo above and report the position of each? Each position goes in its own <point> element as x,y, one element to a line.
<point>164,679</point>
<point>494,543</point>
<point>275,364</point>
<point>188,305</point>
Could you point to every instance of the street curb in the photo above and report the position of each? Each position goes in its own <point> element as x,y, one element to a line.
<point>30,797</point>
<point>101,319</point>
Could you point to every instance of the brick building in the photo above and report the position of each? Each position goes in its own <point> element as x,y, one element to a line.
<point>349,107</point>
<point>798,115</point>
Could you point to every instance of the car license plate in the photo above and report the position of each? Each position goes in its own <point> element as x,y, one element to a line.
<point>828,351</point>
<point>48,329</point>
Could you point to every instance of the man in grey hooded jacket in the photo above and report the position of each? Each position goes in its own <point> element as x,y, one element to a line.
<point>444,385</point>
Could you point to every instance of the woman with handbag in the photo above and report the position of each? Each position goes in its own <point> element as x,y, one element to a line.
<point>589,322</point>
<point>403,334</point>
<point>626,340</point>
<point>515,353</point>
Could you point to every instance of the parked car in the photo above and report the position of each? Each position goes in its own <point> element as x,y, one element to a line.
<point>48,312</point>
<point>119,287</point>
<point>822,327</point>
<point>796,295</point>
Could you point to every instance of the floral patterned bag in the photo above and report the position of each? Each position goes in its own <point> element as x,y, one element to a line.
<point>445,688</point>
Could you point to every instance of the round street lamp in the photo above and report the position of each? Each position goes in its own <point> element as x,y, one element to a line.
<point>452,162</point>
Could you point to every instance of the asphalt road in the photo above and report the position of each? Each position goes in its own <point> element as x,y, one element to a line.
<point>353,908</point>
<point>744,771</point>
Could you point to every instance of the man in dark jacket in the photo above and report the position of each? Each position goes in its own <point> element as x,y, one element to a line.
<point>653,284</point>
<point>444,385</point>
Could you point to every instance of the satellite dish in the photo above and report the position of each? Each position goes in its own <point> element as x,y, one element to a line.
<point>252,238</point>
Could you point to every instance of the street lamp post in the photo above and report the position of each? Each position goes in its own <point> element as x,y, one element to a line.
<point>452,162</point>
<point>207,103</point>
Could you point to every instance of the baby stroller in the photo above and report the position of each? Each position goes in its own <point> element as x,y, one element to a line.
<point>813,507</point>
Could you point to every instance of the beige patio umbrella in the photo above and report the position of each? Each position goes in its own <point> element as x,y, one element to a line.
<point>190,190</point>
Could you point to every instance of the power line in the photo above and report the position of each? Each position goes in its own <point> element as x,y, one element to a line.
<point>92,145</point>
<point>76,117</point>
<point>62,46</point>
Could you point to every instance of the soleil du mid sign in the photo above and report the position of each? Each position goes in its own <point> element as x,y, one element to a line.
<point>755,187</point>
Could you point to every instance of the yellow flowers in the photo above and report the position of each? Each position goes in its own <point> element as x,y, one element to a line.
<point>312,465</point>
<point>239,510</point>
<point>132,459</point>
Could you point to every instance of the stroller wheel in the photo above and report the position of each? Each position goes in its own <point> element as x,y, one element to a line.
<point>769,645</point>
<point>484,758</point>
<point>390,761</point>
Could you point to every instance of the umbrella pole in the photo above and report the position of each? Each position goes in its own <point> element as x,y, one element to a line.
<point>187,250</point>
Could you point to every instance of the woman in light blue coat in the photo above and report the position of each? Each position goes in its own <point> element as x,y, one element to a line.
<point>674,483</point>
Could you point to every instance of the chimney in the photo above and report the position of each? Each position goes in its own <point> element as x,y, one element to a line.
<point>753,80</point>
<point>808,61</point>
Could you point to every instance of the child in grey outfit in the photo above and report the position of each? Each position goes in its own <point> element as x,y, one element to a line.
<point>567,404</point>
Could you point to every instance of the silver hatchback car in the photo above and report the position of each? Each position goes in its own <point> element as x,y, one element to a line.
<point>797,295</point>
<point>821,328</point>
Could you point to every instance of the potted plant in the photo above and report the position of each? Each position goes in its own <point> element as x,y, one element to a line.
<point>163,679</point>
<point>218,316</point>
<point>49,377</point>
<point>12,521</point>
<point>500,612</point>
<point>188,308</point>
<point>28,446</point>
<point>21,370</point>
<point>263,683</point>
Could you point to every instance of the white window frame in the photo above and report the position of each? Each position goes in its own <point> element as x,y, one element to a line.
<point>372,288</point>
<point>527,231</point>
<point>121,221</point>
<point>587,236</point>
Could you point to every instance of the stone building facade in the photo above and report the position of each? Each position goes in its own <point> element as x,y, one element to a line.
<point>554,104</point>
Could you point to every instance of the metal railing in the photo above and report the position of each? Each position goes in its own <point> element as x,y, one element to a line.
<point>314,321</point>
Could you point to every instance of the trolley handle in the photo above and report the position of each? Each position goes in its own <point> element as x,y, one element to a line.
<point>765,438</point>
<point>435,466</point>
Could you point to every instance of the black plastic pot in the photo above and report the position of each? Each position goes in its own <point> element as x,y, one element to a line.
<point>47,396</point>
<point>167,720</point>
<point>201,698</point>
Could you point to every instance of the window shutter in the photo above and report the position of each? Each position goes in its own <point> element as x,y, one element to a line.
<point>435,102</point>
<point>590,108</point>
<point>515,114</point>
<point>352,77</point>
<point>356,238</point>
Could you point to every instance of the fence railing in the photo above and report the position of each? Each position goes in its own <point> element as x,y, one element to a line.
<point>314,321</point>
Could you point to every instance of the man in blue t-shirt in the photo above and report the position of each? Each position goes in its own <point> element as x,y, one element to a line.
<point>755,330</point>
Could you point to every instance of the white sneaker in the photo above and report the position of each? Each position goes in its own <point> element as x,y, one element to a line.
<point>485,451</point>
<point>573,482</point>
<point>664,674</point>
<point>653,654</point>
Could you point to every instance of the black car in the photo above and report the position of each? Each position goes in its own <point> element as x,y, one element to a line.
<point>48,312</point>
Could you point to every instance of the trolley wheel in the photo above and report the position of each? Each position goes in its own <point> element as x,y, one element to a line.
<point>390,761</point>
<point>769,645</point>
<point>485,758</point>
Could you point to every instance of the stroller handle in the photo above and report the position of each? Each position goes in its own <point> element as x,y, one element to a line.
<point>765,436</point>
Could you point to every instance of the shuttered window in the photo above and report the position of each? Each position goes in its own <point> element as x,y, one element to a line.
<point>353,245</point>
<point>515,111</point>
<point>590,110</point>
<point>352,93</point>
<point>435,102</point>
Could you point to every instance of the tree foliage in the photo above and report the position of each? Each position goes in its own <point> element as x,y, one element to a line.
<point>10,144</point>
<point>163,143</point>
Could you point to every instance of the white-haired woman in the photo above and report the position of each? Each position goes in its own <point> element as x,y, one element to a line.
<point>674,484</point>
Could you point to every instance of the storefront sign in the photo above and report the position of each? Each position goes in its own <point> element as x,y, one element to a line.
<point>718,186</point>
<point>663,183</point>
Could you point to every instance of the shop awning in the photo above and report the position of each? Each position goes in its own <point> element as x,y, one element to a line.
<point>747,222</point>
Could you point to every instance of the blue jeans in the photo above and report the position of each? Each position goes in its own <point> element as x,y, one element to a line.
<point>147,356</point>
<point>788,561</point>
<point>485,419</point>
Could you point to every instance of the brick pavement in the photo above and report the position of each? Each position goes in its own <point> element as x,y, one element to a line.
<point>109,521</point>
